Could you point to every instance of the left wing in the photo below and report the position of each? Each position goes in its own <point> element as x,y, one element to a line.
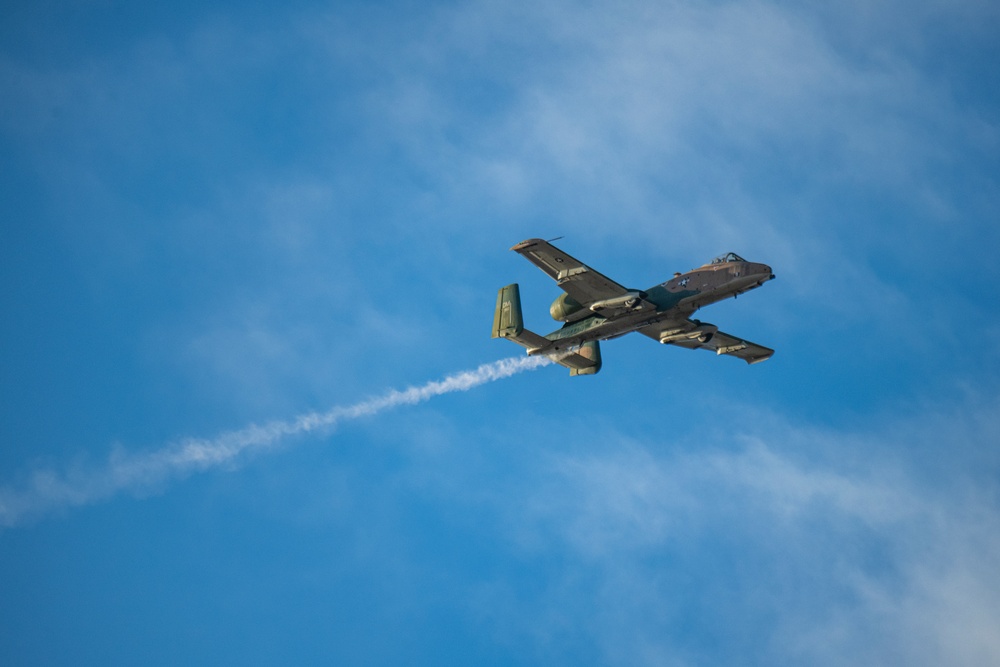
<point>695,335</point>
<point>577,279</point>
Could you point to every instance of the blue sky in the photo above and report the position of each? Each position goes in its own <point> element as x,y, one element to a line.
<point>220,216</point>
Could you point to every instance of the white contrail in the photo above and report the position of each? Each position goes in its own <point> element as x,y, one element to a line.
<point>48,490</point>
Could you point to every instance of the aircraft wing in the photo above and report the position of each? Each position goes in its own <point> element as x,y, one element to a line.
<point>715,340</point>
<point>577,279</point>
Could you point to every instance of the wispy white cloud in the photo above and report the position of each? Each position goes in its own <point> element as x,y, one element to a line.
<point>779,544</point>
<point>746,126</point>
<point>49,490</point>
<point>676,130</point>
<point>701,97</point>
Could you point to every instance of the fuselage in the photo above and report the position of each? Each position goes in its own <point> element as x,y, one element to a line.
<point>674,300</point>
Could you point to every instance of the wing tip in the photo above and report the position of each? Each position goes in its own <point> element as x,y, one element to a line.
<point>524,245</point>
<point>757,360</point>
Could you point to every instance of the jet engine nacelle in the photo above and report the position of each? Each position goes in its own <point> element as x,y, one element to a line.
<point>702,333</point>
<point>564,307</point>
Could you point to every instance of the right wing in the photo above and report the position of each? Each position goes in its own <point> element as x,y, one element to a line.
<point>695,335</point>
<point>577,279</point>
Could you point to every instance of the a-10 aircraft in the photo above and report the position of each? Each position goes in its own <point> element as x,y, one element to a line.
<point>596,308</point>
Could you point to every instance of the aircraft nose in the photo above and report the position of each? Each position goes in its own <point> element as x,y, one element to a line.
<point>764,270</point>
<point>761,271</point>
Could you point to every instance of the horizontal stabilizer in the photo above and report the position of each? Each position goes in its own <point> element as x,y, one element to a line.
<point>508,323</point>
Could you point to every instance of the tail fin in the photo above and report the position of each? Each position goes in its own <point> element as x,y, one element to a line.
<point>508,323</point>
<point>585,361</point>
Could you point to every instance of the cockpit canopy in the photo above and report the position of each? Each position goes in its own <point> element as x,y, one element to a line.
<point>728,257</point>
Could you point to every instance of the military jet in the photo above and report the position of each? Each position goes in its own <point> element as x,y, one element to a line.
<point>596,308</point>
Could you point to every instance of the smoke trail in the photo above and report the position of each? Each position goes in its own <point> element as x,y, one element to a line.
<point>48,490</point>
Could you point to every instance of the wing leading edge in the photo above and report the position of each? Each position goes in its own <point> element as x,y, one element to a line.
<point>581,282</point>
<point>695,335</point>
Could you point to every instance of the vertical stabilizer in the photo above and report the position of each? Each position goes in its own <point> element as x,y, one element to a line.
<point>507,321</point>
<point>586,360</point>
